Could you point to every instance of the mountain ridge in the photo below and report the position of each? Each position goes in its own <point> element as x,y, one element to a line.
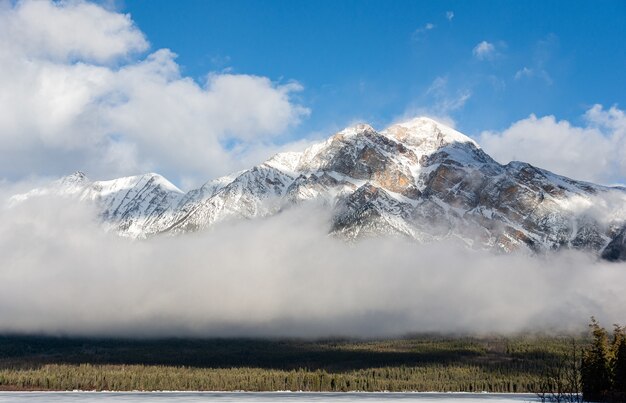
<point>417,179</point>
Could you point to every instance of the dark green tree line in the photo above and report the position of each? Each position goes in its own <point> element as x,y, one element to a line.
<point>603,369</point>
<point>562,383</point>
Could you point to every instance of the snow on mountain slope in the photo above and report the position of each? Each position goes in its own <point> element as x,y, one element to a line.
<point>129,206</point>
<point>418,179</point>
<point>134,203</point>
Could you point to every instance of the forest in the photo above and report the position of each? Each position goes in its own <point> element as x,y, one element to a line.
<point>557,368</point>
<point>416,363</point>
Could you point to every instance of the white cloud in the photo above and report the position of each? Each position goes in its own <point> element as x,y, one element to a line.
<point>524,72</point>
<point>282,276</point>
<point>420,32</point>
<point>446,101</point>
<point>595,151</point>
<point>538,64</point>
<point>69,30</point>
<point>449,15</point>
<point>457,102</point>
<point>439,102</point>
<point>484,51</point>
<point>75,97</point>
<point>527,72</point>
<point>438,85</point>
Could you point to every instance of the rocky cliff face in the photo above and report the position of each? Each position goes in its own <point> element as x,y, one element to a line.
<point>616,249</point>
<point>418,179</point>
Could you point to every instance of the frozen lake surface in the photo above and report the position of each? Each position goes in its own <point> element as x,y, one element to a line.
<point>149,397</point>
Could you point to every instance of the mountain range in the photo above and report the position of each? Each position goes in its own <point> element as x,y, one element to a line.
<point>419,180</point>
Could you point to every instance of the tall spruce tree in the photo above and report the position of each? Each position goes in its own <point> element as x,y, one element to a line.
<point>596,365</point>
<point>619,364</point>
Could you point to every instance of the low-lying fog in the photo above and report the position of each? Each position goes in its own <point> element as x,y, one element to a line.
<point>60,273</point>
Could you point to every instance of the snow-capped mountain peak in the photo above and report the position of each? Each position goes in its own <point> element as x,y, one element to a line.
<point>423,128</point>
<point>426,136</point>
<point>76,178</point>
<point>417,179</point>
<point>287,161</point>
<point>354,130</point>
<point>132,182</point>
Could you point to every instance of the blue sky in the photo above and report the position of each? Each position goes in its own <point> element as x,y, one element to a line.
<point>376,60</point>
<point>198,89</point>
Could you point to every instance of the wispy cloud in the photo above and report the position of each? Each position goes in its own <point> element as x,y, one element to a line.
<point>458,101</point>
<point>538,67</point>
<point>447,101</point>
<point>484,51</point>
<point>438,85</point>
<point>527,72</point>
<point>420,33</point>
<point>449,15</point>
<point>220,61</point>
<point>524,72</point>
<point>438,101</point>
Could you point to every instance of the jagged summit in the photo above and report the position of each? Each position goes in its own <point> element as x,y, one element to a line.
<point>77,176</point>
<point>75,179</point>
<point>355,130</point>
<point>128,182</point>
<point>417,179</point>
<point>422,129</point>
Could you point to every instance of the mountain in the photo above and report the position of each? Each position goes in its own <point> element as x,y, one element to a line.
<point>418,179</point>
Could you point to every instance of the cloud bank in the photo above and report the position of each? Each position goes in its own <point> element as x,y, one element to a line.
<point>61,274</point>
<point>79,93</point>
<point>594,151</point>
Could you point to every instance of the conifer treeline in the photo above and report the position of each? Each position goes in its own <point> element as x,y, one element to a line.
<point>425,363</point>
<point>603,367</point>
<point>140,377</point>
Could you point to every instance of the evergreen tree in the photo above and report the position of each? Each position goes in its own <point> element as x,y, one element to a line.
<point>596,365</point>
<point>619,364</point>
